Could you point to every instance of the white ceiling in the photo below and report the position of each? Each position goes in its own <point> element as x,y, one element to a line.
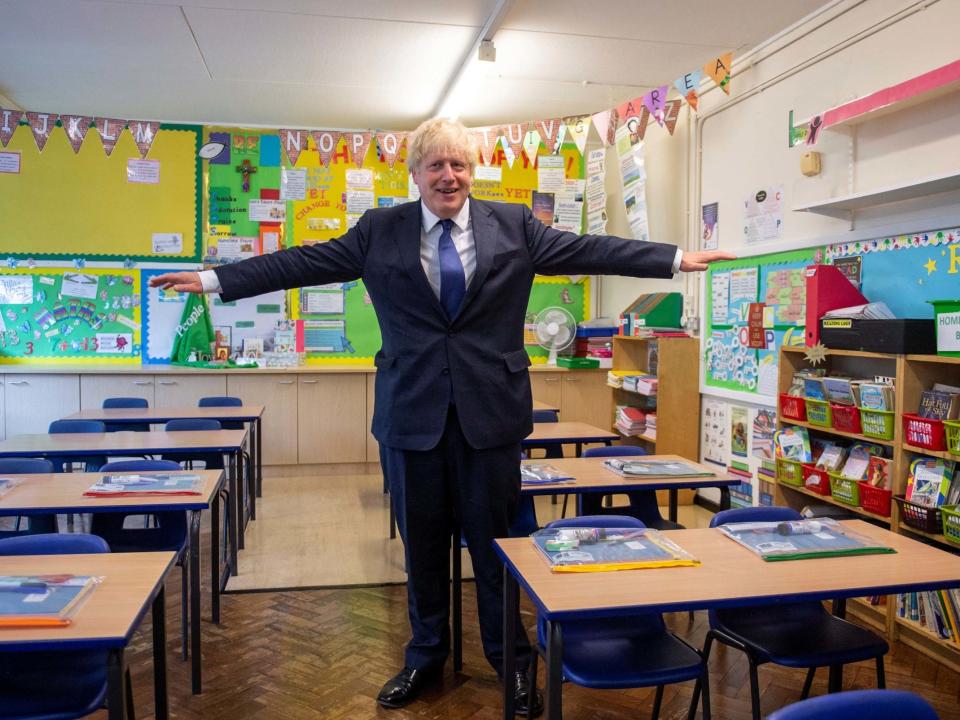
<point>365,63</point>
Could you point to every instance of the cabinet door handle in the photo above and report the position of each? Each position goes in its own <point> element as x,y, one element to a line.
<point>143,382</point>
<point>17,382</point>
<point>309,382</point>
<point>168,382</point>
<point>571,379</point>
<point>285,382</point>
<point>551,379</point>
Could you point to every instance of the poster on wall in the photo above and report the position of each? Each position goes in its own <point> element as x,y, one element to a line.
<point>714,436</point>
<point>710,218</point>
<point>763,215</point>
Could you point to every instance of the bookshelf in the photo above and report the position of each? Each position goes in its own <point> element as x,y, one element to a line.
<point>912,374</point>
<point>677,399</point>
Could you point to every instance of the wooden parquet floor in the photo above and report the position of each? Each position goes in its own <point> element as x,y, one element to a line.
<point>306,654</point>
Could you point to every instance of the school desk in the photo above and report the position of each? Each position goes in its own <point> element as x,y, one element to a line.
<point>576,433</point>
<point>539,405</point>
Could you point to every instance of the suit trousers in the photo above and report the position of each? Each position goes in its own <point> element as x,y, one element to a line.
<point>434,491</point>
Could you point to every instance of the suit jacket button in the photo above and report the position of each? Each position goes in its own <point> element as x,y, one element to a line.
<point>445,371</point>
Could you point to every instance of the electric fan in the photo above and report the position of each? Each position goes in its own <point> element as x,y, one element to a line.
<point>554,329</point>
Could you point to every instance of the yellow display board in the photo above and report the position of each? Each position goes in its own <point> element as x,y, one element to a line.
<point>65,205</point>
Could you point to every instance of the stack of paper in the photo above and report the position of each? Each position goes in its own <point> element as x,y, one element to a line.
<point>651,431</point>
<point>870,311</point>
<point>630,420</point>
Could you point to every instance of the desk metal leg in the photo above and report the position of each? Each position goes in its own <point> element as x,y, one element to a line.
<point>215,557</point>
<point>511,602</point>
<point>194,551</point>
<point>232,515</point>
<point>251,477</point>
<point>554,687</point>
<point>393,519</point>
<point>258,462</point>
<point>579,447</point>
<point>835,679</point>
<point>724,498</point>
<point>116,687</point>
<point>457,601</point>
<point>672,509</point>
<point>159,617</point>
<point>236,484</point>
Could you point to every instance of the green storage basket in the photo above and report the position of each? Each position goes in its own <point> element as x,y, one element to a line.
<point>789,472</point>
<point>952,428</point>
<point>951,523</point>
<point>819,413</point>
<point>877,423</point>
<point>844,490</point>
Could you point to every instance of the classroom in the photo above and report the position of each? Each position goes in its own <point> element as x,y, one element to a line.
<point>391,360</point>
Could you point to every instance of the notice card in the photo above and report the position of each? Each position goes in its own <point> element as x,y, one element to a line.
<point>10,162</point>
<point>267,211</point>
<point>293,184</point>
<point>143,171</point>
<point>167,243</point>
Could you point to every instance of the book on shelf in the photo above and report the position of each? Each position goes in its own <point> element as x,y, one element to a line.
<point>799,378</point>
<point>145,484</point>
<point>858,460</point>
<point>840,390</point>
<point>939,405</point>
<point>537,474</point>
<point>928,483</point>
<point>8,484</point>
<point>828,455</point>
<point>934,611</point>
<point>801,539</point>
<point>42,600</point>
<point>792,443</point>
<point>878,472</point>
<point>813,389</point>
<point>654,468</point>
<point>876,396</point>
<point>630,420</point>
<point>585,549</point>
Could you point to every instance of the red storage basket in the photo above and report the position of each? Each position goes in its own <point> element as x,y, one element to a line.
<point>793,407</point>
<point>874,499</point>
<point>846,418</point>
<point>815,479</point>
<point>924,433</point>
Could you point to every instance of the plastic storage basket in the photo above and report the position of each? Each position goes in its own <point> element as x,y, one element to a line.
<point>846,418</point>
<point>816,479</point>
<point>818,413</point>
<point>923,432</point>
<point>918,516</point>
<point>844,489</point>
<point>952,430</point>
<point>793,407</point>
<point>789,471</point>
<point>877,423</point>
<point>951,523</point>
<point>874,499</point>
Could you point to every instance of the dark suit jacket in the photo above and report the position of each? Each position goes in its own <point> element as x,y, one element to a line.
<point>478,357</point>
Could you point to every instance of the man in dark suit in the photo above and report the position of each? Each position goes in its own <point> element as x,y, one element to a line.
<point>450,278</point>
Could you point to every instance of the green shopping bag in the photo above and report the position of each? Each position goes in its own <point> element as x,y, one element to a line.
<point>194,334</point>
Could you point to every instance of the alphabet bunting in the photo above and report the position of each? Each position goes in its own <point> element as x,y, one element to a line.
<point>326,142</point>
<point>41,124</point>
<point>294,142</point>
<point>76,127</point>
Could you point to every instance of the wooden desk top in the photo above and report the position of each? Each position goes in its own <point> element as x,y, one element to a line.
<point>158,415</point>
<point>537,405</point>
<point>590,475</point>
<point>729,575</point>
<point>122,443</point>
<point>109,616</point>
<point>63,492</point>
<point>568,432</point>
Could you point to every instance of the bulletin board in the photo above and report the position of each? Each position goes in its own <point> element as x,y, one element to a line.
<point>69,314</point>
<point>64,205</point>
<point>776,280</point>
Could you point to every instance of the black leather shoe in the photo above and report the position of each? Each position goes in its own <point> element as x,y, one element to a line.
<point>521,696</point>
<point>406,685</point>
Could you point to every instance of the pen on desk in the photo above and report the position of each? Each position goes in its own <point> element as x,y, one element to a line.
<point>25,587</point>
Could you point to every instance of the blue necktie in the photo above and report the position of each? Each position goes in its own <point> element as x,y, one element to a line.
<point>453,284</point>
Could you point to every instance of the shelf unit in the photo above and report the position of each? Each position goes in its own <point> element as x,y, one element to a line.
<point>912,374</point>
<point>678,396</point>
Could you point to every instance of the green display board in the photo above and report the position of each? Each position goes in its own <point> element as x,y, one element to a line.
<point>778,282</point>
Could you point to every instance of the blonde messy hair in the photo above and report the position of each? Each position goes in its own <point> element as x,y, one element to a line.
<point>440,135</point>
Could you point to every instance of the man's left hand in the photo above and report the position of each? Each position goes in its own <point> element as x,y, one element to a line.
<point>693,261</point>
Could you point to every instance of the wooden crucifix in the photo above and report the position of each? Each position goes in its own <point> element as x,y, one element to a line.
<point>247,169</point>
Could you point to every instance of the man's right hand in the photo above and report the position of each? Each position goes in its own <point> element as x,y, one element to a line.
<point>179,281</point>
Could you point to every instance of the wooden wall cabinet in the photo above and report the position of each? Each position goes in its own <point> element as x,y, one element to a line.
<point>186,390</point>
<point>584,398</point>
<point>332,412</point>
<point>95,388</point>
<point>278,395</point>
<point>546,387</point>
<point>32,402</point>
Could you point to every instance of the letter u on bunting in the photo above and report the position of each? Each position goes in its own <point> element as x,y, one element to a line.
<point>76,127</point>
<point>326,142</point>
<point>109,130</point>
<point>388,145</point>
<point>719,70</point>
<point>513,135</point>
<point>41,124</point>
<point>9,119</point>
<point>357,142</point>
<point>294,142</point>
<point>144,134</point>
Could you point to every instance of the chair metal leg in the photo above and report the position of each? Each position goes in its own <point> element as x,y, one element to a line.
<point>706,694</point>
<point>881,675</point>
<point>657,701</point>
<point>808,683</point>
<point>563,512</point>
<point>754,690</point>
<point>131,714</point>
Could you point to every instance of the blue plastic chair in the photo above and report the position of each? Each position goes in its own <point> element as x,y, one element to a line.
<point>797,635</point>
<point>126,402</point>
<point>643,503</point>
<point>860,705</point>
<point>624,652</point>
<point>212,461</point>
<point>224,401</point>
<point>81,675</point>
<point>29,466</point>
<point>92,462</point>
